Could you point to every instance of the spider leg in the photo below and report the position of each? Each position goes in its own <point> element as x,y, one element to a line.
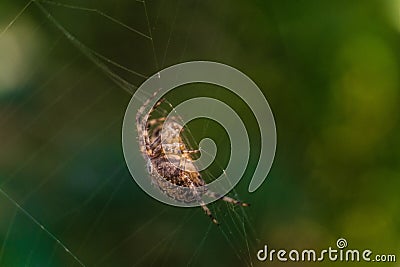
<point>182,163</point>
<point>144,141</point>
<point>227,199</point>
<point>153,122</point>
<point>142,121</point>
<point>175,148</point>
<point>191,151</point>
<point>162,119</point>
<point>140,112</point>
<point>151,111</point>
<point>208,213</point>
<point>176,117</point>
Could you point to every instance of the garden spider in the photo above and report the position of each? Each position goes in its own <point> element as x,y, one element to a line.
<point>170,163</point>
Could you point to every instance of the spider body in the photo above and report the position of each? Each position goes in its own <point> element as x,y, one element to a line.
<point>169,162</point>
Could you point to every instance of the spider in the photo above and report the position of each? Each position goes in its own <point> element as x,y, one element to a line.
<point>170,163</point>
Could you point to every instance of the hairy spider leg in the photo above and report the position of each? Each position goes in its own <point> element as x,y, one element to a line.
<point>208,213</point>
<point>227,199</point>
<point>140,117</point>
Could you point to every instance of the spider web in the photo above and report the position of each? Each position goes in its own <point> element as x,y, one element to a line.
<point>67,197</point>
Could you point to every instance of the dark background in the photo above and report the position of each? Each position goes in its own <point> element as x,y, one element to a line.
<point>329,69</point>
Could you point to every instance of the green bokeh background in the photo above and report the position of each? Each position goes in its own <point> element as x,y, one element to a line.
<point>329,69</point>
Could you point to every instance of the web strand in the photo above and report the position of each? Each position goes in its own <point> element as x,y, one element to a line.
<point>170,34</point>
<point>15,19</point>
<point>87,52</point>
<point>150,33</point>
<point>96,11</point>
<point>42,227</point>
